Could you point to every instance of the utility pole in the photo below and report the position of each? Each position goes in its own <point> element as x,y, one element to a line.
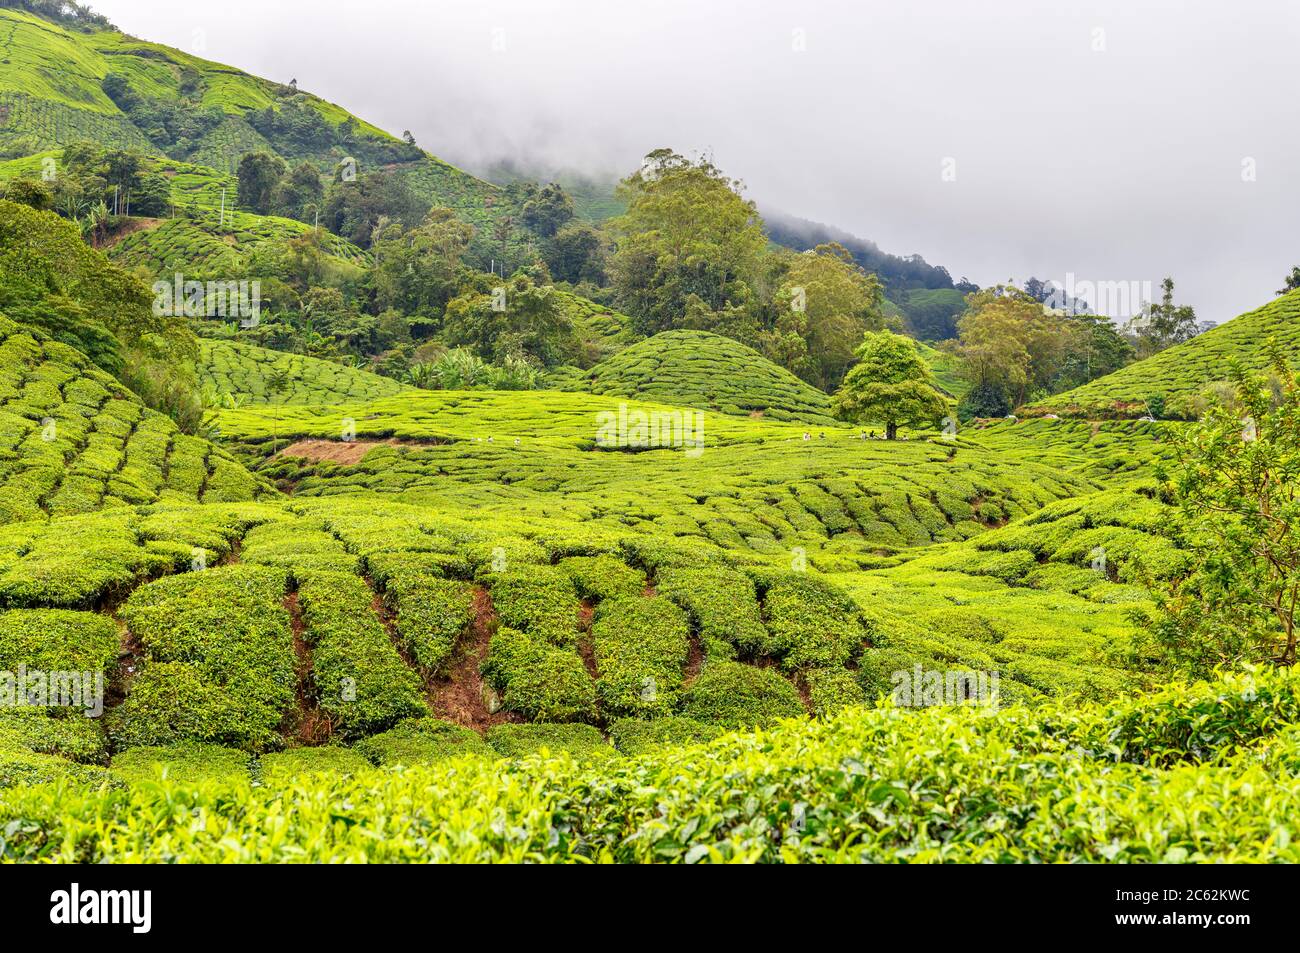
<point>223,206</point>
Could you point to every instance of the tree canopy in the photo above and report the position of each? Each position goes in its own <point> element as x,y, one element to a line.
<point>1234,482</point>
<point>890,385</point>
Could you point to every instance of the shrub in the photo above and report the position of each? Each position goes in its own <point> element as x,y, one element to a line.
<point>582,742</point>
<point>292,764</point>
<point>811,624</point>
<point>740,696</point>
<point>182,763</point>
<point>220,663</point>
<point>722,606</point>
<point>641,646</point>
<point>603,577</point>
<point>423,741</point>
<point>636,736</point>
<point>32,729</point>
<point>431,616</point>
<point>831,689</point>
<point>540,600</point>
<point>538,680</point>
<point>360,680</point>
<point>51,640</point>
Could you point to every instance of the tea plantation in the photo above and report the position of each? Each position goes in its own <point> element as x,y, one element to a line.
<point>657,605</point>
<point>709,372</point>
<point>243,372</point>
<point>74,440</point>
<point>1180,374</point>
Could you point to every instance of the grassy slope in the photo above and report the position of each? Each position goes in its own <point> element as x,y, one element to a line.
<point>241,371</point>
<point>711,372</point>
<point>50,96</point>
<point>946,369</point>
<point>73,440</point>
<point>1182,372</point>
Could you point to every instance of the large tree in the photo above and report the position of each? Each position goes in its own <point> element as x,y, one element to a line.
<point>1235,486</point>
<point>1163,325</point>
<point>519,319</point>
<point>1011,344</point>
<point>890,385</point>
<point>576,253</point>
<point>826,302</point>
<point>259,175</point>
<point>416,270</point>
<point>549,210</point>
<point>687,230</point>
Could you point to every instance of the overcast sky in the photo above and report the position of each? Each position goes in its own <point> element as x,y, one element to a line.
<point>1118,141</point>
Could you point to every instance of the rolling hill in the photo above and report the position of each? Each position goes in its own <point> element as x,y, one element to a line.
<point>1180,374</point>
<point>664,610</point>
<point>709,372</point>
<point>55,90</point>
<point>242,372</point>
<point>74,440</point>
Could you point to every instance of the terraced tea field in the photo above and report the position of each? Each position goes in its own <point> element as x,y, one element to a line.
<point>201,248</point>
<point>667,609</point>
<point>709,372</point>
<point>241,372</point>
<point>1182,372</point>
<point>73,440</point>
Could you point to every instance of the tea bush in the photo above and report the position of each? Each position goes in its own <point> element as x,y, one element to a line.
<point>640,647</point>
<point>539,600</point>
<point>740,696</point>
<point>423,741</point>
<point>810,622</point>
<point>359,679</point>
<point>581,742</point>
<point>183,764</point>
<point>294,764</point>
<point>430,616</point>
<point>219,664</point>
<point>538,680</point>
<point>54,640</point>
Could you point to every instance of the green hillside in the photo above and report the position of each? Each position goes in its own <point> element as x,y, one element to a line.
<point>241,372</point>
<point>200,247</point>
<point>754,486</point>
<point>607,330</point>
<point>1180,374</point>
<point>650,601</point>
<point>946,369</point>
<point>73,440</point>
<point>710,372</point>
<point>53,93</point>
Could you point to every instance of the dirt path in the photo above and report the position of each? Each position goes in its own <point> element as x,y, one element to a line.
<point>694,662</point>
<point>345,452</point>
<point>311,725</point>
<point>586,648</point>
<point>461,696</point>
<point>129,657</point>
